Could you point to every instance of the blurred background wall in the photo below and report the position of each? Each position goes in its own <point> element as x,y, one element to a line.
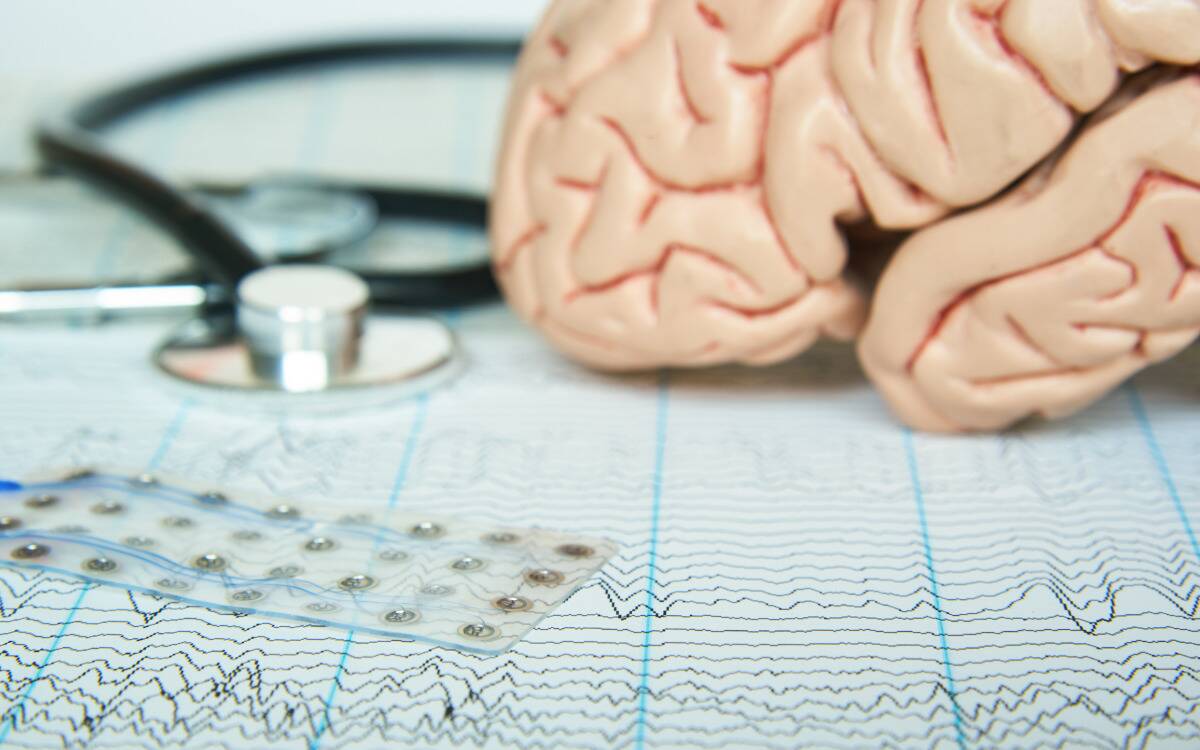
<point>95,39</point>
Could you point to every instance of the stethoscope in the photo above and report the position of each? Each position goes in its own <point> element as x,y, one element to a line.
<point>275,314</point>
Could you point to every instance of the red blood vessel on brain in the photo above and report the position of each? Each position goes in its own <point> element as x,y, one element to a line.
<point>677,178</point>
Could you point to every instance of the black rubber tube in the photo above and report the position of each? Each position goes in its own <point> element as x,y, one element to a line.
<point>69,142</point>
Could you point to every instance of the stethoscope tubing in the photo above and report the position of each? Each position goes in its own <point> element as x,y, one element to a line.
<point>69,141</point>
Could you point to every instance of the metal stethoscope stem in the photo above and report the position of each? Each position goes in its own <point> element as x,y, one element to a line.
<point>99,304</point>
<point>280,220</point>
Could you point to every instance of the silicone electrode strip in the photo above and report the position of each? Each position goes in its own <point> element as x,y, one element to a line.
<point>446,581</point>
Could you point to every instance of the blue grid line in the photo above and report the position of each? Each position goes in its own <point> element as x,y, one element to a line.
<point>162,148</point>
<point>406,460</point>
<point>168,438</point>
<point>655,514</point>
<point>19,706</point>
<point>919,497</point>
<point>319,133</point>
<point>410,450</point>
<point>333,688</point>
<point>164,445</point>
<point>1160,461</point>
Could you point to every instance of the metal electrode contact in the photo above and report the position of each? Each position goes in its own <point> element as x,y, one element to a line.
<point>446,580</point>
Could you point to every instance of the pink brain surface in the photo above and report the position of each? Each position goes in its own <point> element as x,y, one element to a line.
<point>676,176</point>
<point>1044,300</point>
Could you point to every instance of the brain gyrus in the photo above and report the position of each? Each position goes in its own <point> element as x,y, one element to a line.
<point>676,175</point>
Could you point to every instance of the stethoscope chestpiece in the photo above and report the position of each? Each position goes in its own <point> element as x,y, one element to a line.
<point>302,325</point>
<point>304,331</point>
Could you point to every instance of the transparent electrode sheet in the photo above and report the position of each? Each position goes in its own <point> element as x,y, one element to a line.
<point>443,580</point>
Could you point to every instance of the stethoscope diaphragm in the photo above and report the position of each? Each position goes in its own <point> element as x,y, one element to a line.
<point>304,331</point>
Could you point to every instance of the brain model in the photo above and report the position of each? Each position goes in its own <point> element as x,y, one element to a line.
<point>679,179</point>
